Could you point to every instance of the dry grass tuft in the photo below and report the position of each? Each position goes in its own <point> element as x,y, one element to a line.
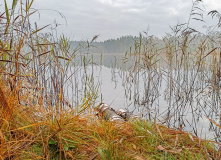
<point>34,133</point>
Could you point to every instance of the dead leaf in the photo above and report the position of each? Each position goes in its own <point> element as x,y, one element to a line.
<point>135,156</point>
<point>158,130</point>
<point>139,157</point>
<point>93,156</point>
<point>134,146</point>
<point>175,151</point>
<point>191,137</point>
<point>160,148</point>
<point>176,140</point>
<point>121,140</point>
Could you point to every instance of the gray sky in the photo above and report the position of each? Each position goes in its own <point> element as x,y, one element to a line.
<point>115,18</point>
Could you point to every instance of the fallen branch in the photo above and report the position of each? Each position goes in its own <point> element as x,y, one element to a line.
<point>109,114</point>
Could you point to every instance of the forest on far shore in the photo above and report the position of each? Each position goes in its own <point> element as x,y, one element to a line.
<point>130,44</point>
<point>120,45</point>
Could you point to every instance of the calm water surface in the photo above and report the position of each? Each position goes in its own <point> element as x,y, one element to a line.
<point>146,94</point>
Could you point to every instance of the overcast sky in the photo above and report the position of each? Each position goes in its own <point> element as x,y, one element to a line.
<point>116,18</point>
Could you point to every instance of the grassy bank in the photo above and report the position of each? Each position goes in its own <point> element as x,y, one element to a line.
<point>35,133</point>
<point>38,121</point>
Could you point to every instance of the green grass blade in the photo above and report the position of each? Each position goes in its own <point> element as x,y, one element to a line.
<point>14,3</point>
<point>6,11</point>
<point>39,29</point>
<point>28,5</point>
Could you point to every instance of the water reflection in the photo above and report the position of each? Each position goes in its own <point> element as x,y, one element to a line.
<point>181,99</point>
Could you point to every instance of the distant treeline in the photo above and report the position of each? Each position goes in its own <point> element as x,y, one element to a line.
<point>120,45</point>
<point>132,44</point>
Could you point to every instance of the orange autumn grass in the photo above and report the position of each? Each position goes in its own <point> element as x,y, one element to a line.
<point>29,131</point>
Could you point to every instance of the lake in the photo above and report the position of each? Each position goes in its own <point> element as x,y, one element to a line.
<point>181,99</point>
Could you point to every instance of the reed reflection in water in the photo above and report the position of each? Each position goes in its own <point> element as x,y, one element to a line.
<point>179,99</point>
